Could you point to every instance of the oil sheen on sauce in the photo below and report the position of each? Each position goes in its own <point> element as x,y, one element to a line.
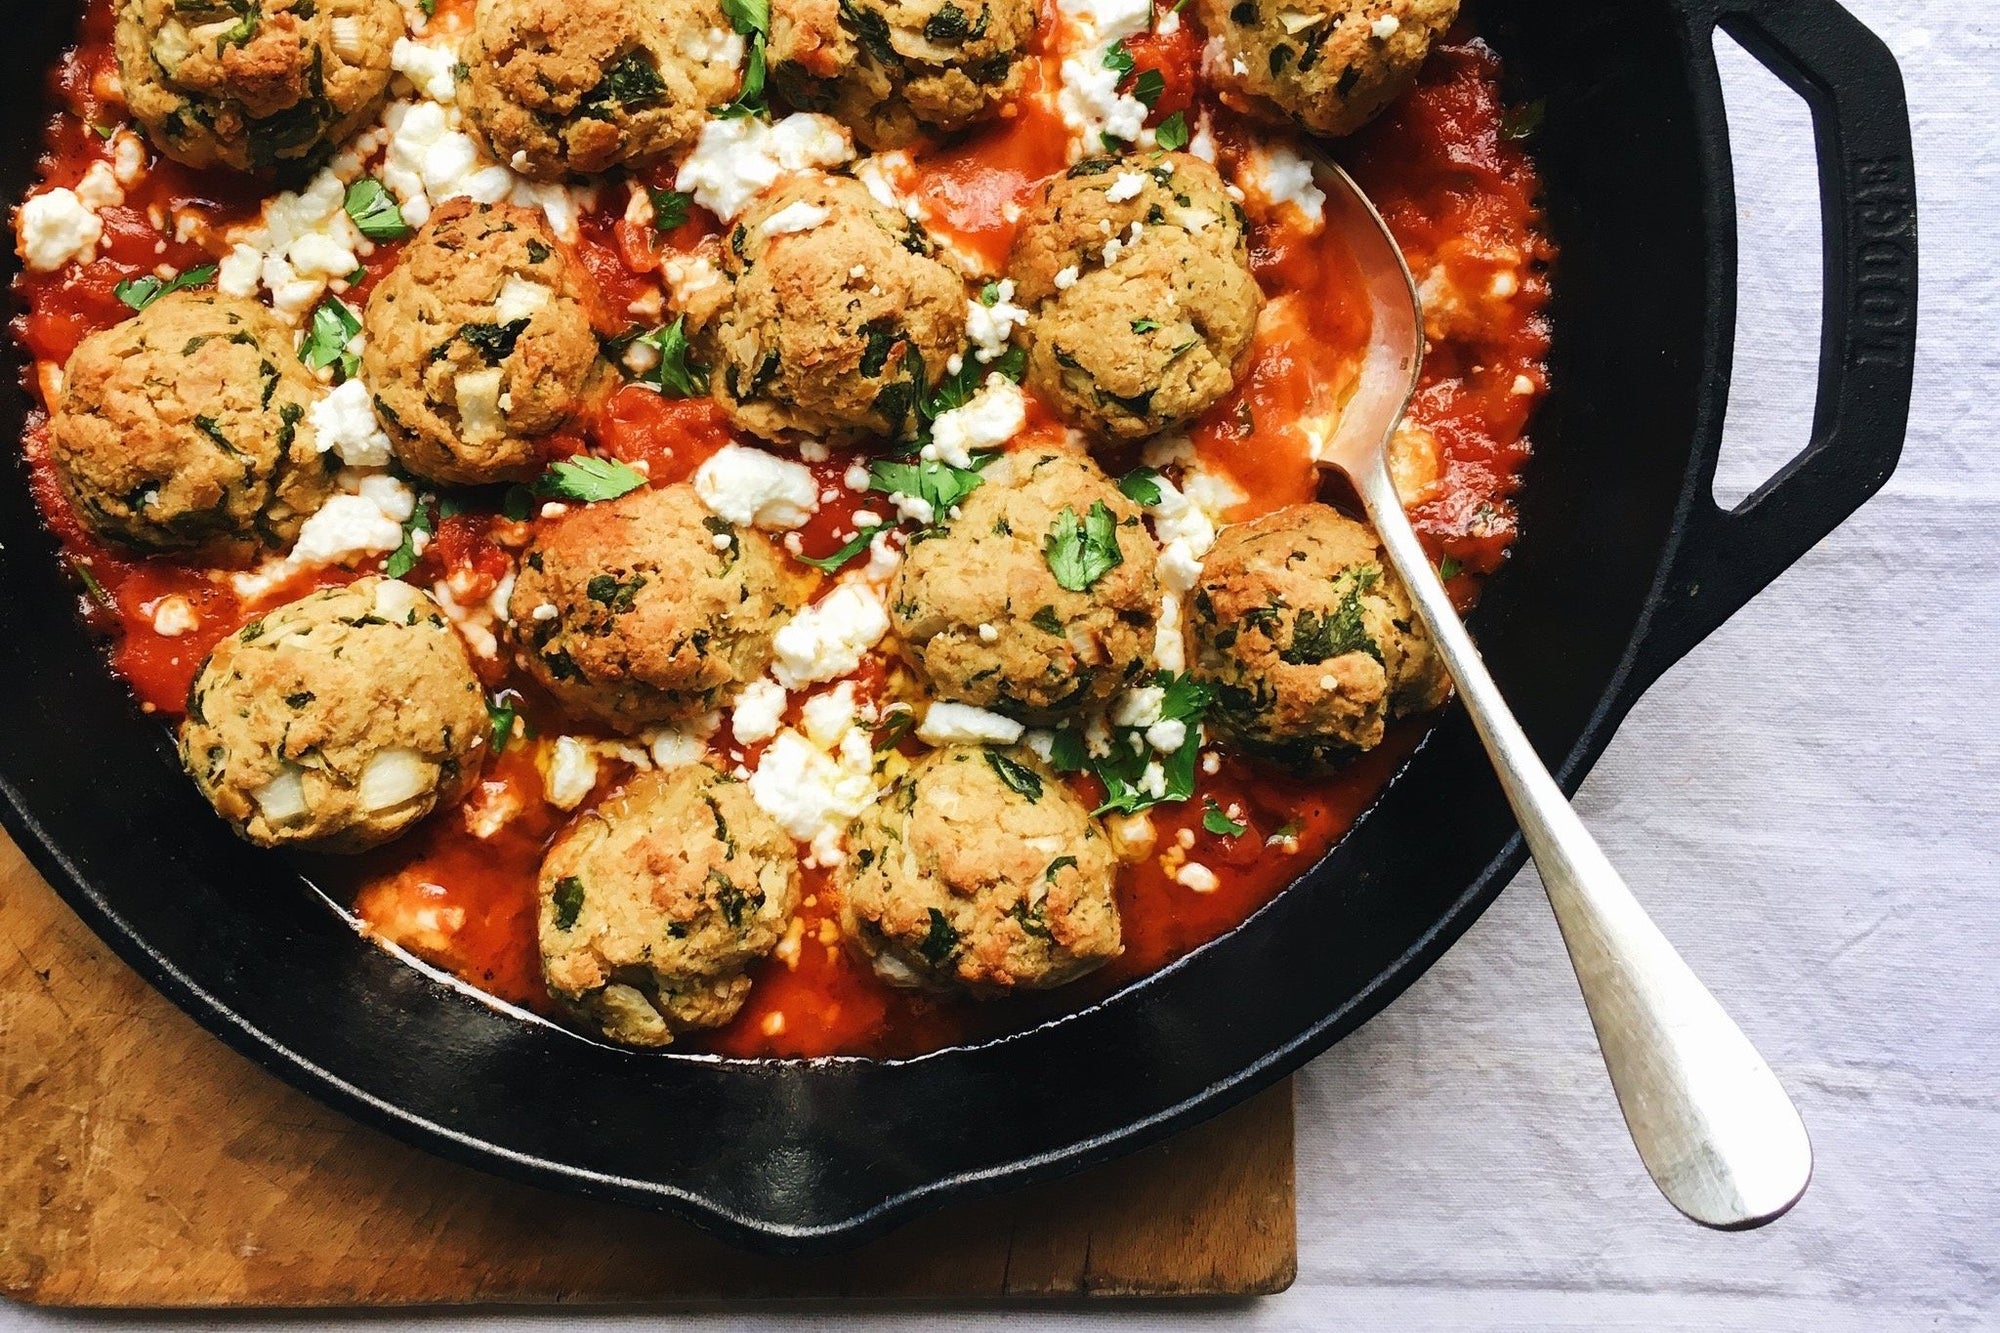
<point>1461,197</point>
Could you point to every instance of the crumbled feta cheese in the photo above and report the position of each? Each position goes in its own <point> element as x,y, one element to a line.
<point>1167,735</point>
<point>750,487</point>
<point>989,634</point>
<point>680,746</point>
<point>1092,106</point>
<point>759,711</point>
<point>1066,278</point>
<point>344,422</point>
<point>883,558</point>
<point>812,794</point>
<point>989,328</point>
<point>713,46</point>
<point>913,507</point>
<point>987,420</point>
<point>1137,707</point>
<point>1523,386</point>
<point>962,724</point>
<point>1169,647</point>
<point>1202,145</point>
<point>429,162</point>
<point>1385,27</point>
<point>826,640</point>
<point>1198,877</point>
<point>1283,177</point>
<point>239,270</point>
<point>99,188</point>
<point>794,217</point>
<point>569,771</point>
<point>1126,185</point>
<point>737,158</point>
<point>1108,20</point>
<point>173,616</point>
<point>55,228</point>
<point>346,528</point>
<point>128,158</point>
<point>519,298</point>
<point>827,716</point>
<point>431,66</point>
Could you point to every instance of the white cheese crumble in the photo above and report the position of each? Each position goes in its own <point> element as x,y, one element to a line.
<point>989,328</point>
<point>344,423</point>
<point>519,298</point>
<point>735,159</point>
<point>827,640</point>
<point>1126,185</point>
<point>794,217</point>
<point>680,746</point>
<point>1198,877</point>
<point>173,616</point>
<point>987,420</point>
<point>759,711</point>
<point>1092,106</point>
<point>54,228</point>
<point>826,717</point>
<point>751,488</point>
<point>962,724</point>
<point>569,771</point>
<point>364,520</point>
<point>1066,278</point>
<point>812,793</point>
<point>1283,177</point>
<point>431,66</point>
<point>1108,20</point>
<point>715,46</point>
<point>1385,27</point>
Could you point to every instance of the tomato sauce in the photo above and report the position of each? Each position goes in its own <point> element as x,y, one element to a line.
<point>1460,195</point>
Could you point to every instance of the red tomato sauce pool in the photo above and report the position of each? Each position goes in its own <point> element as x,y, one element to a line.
<point>1462,199</point>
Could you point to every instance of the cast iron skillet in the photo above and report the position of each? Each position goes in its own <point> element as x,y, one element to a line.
<point>1625,564</point>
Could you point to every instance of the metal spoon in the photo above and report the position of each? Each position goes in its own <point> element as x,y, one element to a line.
<point>1711,1122</point>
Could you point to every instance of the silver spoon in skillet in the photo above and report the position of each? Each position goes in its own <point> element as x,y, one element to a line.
<point>1711,1122</point>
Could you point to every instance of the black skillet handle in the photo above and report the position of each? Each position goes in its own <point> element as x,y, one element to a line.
<point>1868,200</point>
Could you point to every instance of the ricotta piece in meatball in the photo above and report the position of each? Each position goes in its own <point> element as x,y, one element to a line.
<point>480,344</point>
<point>1039,598</point>
<point>979,871</point>
<point>837,318</point>
<point>337,721</point>
<point>575,87</point>
<point>654,904</point>
<point>258,85</point>
<point>649,608</point>
<point>188,428</point>
<point>1306,638</point>
<point>1137,271</point>
<point>1329,65</point>
<point>899,71</point>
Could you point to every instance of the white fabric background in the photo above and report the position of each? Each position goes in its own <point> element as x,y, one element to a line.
<point>1809,805</point>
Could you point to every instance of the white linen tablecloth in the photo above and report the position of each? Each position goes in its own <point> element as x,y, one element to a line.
<point>1810,807</point>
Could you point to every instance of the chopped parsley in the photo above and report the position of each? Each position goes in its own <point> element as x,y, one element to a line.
<point>938,485</point>
<point>142,292</point>
<point>676,375</point>
<point>1118,58</point>
<point>493,342</point>
<point>1172,133</point>
<point>1148,87</point>
<point>1019,777</point>
<point>587,479</point>
<point>940,942</point>
<point>1217,821</point>
<point>850,548</point>
<point>895,725</point>
<point>1080,551</point>
<point>1135,778</point>
<point>1141,485</point>
<point>752,21</point>
<point>1449,568</point>
<point>630,81</point>
<point>1145,325</point>
<point>332,328</point>
<point>501,710</point>
<point>375,212</point>
<point>404,558</point>
<point>568,897</point>
<point>670,208</point>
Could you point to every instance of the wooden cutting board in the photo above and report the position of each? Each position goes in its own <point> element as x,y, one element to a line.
<point>143,1163</point>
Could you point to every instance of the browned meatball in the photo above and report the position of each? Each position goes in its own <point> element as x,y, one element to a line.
<point>898,71</point>
<point>979,871</point>
<point>838,316</point>
<point>336,721</point>
<point>259,85</point>
<point>650,608</point>
<point>186,428</point>
<point>653,905</point>
<point>1306,638</point>
<point>1040,597</point>
<point>1137,270</point>
<point>562,87</point>
<point>480,344</point>
<point>1330,65</point>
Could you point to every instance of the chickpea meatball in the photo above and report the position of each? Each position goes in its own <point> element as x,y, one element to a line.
<point>979,871</point>
<point>838,316</point>
<point>1137,271</point>
<point>480,345</point>
<point>337,721</point>
<point>259,87</point>
<point>649,608</point>
<point>654,904</point>
<point>1306,638</point>
<point>575,87</point>
<point>899,71</point>
<point>186,429</point>
<point>1330,65</point>
<point>1039,597</point>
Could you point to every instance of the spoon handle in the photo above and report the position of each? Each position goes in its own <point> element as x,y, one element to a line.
<point>1711,1122</point>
